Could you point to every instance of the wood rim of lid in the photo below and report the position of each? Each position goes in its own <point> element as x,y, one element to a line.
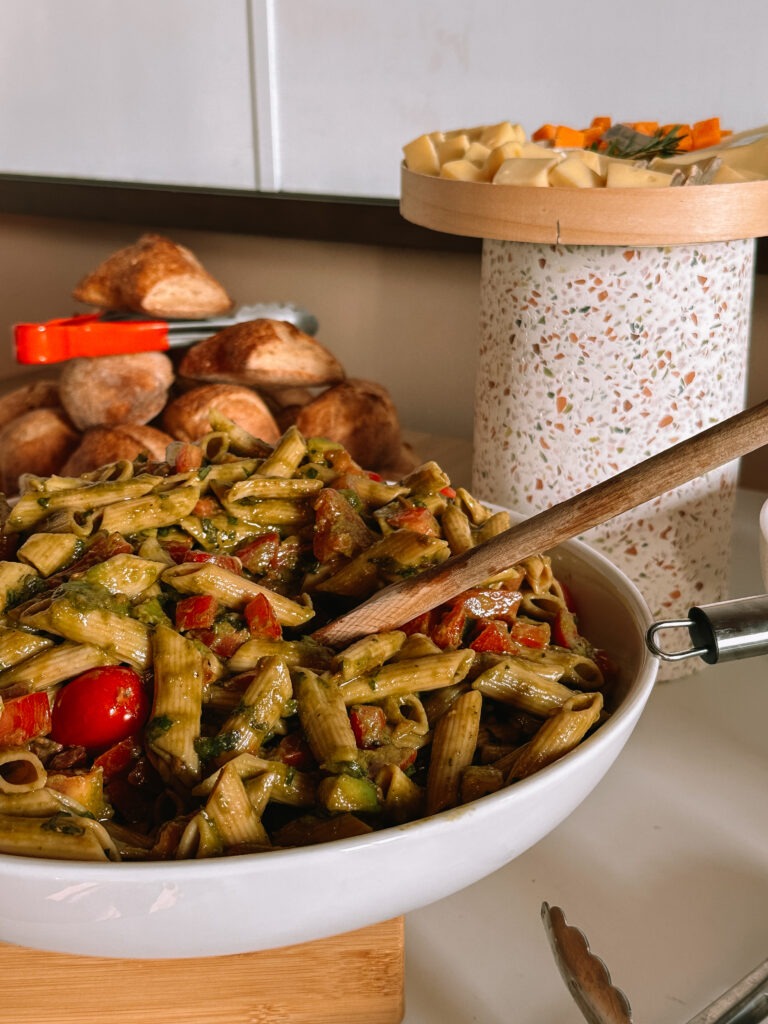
<point>599,216</point>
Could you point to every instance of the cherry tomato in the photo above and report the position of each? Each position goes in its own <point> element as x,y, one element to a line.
<point>100,708</point>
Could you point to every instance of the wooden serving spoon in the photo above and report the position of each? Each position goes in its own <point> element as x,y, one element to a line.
<point>402,601</point>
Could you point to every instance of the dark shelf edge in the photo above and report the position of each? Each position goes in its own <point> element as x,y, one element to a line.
<point>308,217</point>
<point>281,215</point>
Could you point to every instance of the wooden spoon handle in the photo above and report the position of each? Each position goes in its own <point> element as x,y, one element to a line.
<point>402,601</point>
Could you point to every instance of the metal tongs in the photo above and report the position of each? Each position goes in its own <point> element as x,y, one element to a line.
<point>726,631</point>
<point>109,334</point>
<point>601,1002</point>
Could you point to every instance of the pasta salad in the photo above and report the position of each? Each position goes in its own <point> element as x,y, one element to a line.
<point>163,696</point>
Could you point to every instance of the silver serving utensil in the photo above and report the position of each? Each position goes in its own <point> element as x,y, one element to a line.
<point>601,1002</point>
<point>187,332</point>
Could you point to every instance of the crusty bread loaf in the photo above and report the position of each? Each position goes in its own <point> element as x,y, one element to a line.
<point>110,390</point>
<point>101,445</point>
<point>359,414</point>
<point>157,277</point>
<point>187,417</point>
<point>37,442</point>
<point>39,394</point>
<point>262,353</point>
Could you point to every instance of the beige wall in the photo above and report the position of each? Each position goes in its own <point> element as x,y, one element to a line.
<point>406,318</point>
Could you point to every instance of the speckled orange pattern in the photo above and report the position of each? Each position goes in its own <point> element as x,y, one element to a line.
<point>593,358</point>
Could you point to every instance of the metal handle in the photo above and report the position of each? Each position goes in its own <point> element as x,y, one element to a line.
<point>725,631</point>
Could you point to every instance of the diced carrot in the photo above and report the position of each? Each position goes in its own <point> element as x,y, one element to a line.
<point>591,136</point>
<point>545,133</point>
<point>684,133</point>
<point>646,127</point>
<point>602,123</point>
<point>571,138</point>
<point>706,133</point>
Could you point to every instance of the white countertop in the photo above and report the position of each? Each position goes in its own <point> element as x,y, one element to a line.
<point>664,866</point>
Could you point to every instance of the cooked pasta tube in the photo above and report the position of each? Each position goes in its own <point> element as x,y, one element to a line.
<point>368,653</point>
<point>457,530</point>
<point>126,574</point>
<point>290,786</point>
<point>402,798</point>
<point>150,512</point>
<point>478,780</point>
<point>15,579</point>
<point>574,668</point>
<point>494,525</point>
<point>538,573</point>
<point>475,509</point>
<point>286,455</point>
<point>33,507</point>
<point>18,644</point>
<point>427,478</point>
<point>231,816</point>
<point>53,665</point>
<point>258,487</point>
<point>123,638</point>
<point>217,532</point>
<point>375,493</point>
<point>453,747</point>
<point>304,651</point>
<point>407,718</point>
<point>273,512</point>
<point>559,734</point>
<point>63,836</point>
<point>399,554</point>
<point>49,552</point>
<point>36,614</point>
<point>325,722</point>
<point>240,441</point>
<point>21,771</point>
<point>34,803</point>
<point>174,726</point>
<point>65,521</point>
<point>257,712</point>
<point>410,676</point>
<point>524,684</point>
<point>232,591</point>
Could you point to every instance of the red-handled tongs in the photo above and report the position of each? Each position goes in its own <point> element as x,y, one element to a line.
<point>108,334</point>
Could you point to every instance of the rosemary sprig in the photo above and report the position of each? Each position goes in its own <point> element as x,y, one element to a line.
<point>622,141</point>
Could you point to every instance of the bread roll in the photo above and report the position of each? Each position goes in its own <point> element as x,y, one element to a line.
<point>262,353</point>
<point>39,394</point>
<point>187,417</point>
<point>38,442</point>
<point>360,415</point>
<point>101,445</point>
<point>111,390</point>
<point>157,277</point>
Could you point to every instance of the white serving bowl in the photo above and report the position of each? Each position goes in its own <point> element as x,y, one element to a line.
<point>260,901</point>
<point>764,542</point>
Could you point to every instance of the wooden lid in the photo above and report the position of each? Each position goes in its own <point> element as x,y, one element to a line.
<point>594,216</point>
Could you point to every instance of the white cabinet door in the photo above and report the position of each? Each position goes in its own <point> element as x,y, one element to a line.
<point>127,90</point>
<point>356,79</point>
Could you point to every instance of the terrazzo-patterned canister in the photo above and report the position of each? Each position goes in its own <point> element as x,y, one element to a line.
<point>593,358</point>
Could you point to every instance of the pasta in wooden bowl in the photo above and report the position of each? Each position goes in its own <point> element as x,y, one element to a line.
<point>202,577</point>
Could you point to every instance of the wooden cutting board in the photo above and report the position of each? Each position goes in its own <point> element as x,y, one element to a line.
<point>356,978</point>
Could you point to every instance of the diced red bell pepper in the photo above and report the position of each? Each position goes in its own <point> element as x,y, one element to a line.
<point>177,549</point>
<point>206,507</point>
<point>417,519</point>
<point>485,603</point>
<point>377,477</point>
<point>261,619</point>
<point>25,717</point>
<point>423,623</point>
<point>120,757</point>
<point>494,638</point>
<point>564,630</point>
<point>448,492</point>
<point>188,457</point>
<point>530,634</point>
<point>198,611</point>
<point>222,643</point>
<point>368,723</point>
<point>294,751</point>
<point>259,555</point>
<point>217,558</point>
<point>449,630</point>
